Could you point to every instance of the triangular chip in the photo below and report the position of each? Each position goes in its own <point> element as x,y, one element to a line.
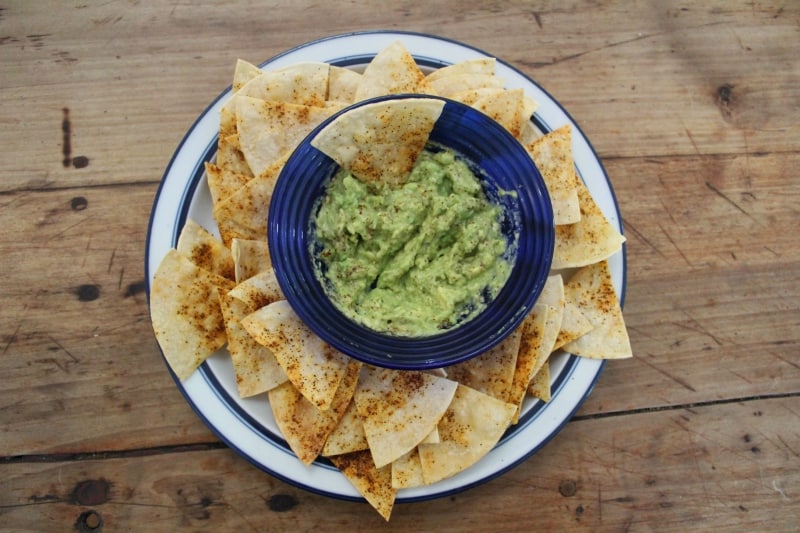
<point>313,366</point>
<point>553,157</point>
<point>343,84</point>
<point>399,408</point>
<point>254,365</point>
<point>504,106</point>
<point>250,257</point>
<point>532,353</point>
<point>305,427</point>
<point>223,183</point>
<point>481,65</point>
<point>593,291</point>
<point>259,290</point>
<point>304,83</point>
<point>407,471</point>
<point>452,86</point>
<point>392,71</point>
<point>230,156</point>
<point>184,308</point>
<point>348,435</point>
<point>269,130</point>
<point>382,140</point>
<point>587,241</point>
<point>243,215</point>
<point>491,372</point>
<point>469,429</point>
<point>374,484</point>
<point>205,250</point>
<point>539,386</point>
<point>243,73</point>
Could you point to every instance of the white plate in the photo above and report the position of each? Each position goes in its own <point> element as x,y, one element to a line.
<point>247,425</point>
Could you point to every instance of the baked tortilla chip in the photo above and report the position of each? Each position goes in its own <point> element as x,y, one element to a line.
<point>374,484</point>
<point>593,291</point>
<point>254,366</point>
<point>469,429</point>
<point>184,309</point>
<point>304,83</point>
<point>574,323</point>
<point>540,384</point>
<point>313,366</point>
<point>491,372</point>
<point>552,154</point>
<point>223,182</point>
<point>399,409</point>
<point>532,353</point>
<point>507,107</point>
<point>305,427</point>
<point>243,215</point>
<point>407,471</point>
<point>452,86</point>
<point>342,84</point>
<point>230,156</point>
<point>392,71</point>
<point>480,65</point>
<point>380,141</point>
<point>590,240</point>
<point>243,73</point>
<point>348,435</point>
<point>259,290</point>
<point>250,257</point>
<point>205,250</point>
<point>269,130</point>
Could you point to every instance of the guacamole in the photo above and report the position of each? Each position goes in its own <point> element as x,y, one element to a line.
<point>411,259</point>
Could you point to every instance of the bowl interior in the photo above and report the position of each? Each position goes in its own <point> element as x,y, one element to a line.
<point>503,166</point>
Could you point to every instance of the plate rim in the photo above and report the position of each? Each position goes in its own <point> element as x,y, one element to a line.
<point>189,191</point>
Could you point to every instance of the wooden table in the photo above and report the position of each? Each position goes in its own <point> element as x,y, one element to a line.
<point>694,108</point>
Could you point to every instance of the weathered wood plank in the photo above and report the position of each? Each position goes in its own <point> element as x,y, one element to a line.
<point>687,469</point>
<point>647,79</point>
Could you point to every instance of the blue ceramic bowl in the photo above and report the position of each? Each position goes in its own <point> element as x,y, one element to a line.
<point>500,162</point>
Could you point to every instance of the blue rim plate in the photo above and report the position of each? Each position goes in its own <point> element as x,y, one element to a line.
<point>247,425</point>
<point>502,164</point>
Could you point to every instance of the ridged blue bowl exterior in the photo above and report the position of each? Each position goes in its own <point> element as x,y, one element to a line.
<point>503,165</point>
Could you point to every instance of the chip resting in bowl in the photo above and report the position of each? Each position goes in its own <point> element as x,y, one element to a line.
<point>216,291</point>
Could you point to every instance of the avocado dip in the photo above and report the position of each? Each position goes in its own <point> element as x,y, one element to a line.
<point>411,259</point>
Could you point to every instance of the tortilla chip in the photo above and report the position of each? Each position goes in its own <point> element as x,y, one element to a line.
<point>230,156</point>
<point>504,106</point>
<point>539,386</point>
<point>184,308</point>
<point>392,71</point>
<point>407,471</point>
<point>269,130</point>
<point>223,183</point>
<point>399,409</point>
<point>313,366</point>
<point>254,365</point>
<point>532,353</point>
<point>529,133</point>
<point>593,291</point>
<point>250,257</point>
<point>305,427</point>
<point>574,324</point>
<point>452,86</point>
<point>227,119</point>
<point>304,83</point>
<point>205,250</point>
<point>243,215</point>
<point>469,429</point>
<point>374,484</point>
<point>491,372</point>
<point>380,141</point>
<point>590,240</point>
<point>343,84</point>
<point>481,65</point>
<point>243,73</point>
<point>348,436</point>
<point>552,154</point>
<point>259,290</point>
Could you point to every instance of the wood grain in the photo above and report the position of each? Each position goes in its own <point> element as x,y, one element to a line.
<point>694,109</point>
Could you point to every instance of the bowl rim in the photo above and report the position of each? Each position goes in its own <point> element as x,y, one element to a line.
<point>383,349</point>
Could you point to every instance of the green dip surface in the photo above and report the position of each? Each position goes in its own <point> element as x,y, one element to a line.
<point>415,259</point>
